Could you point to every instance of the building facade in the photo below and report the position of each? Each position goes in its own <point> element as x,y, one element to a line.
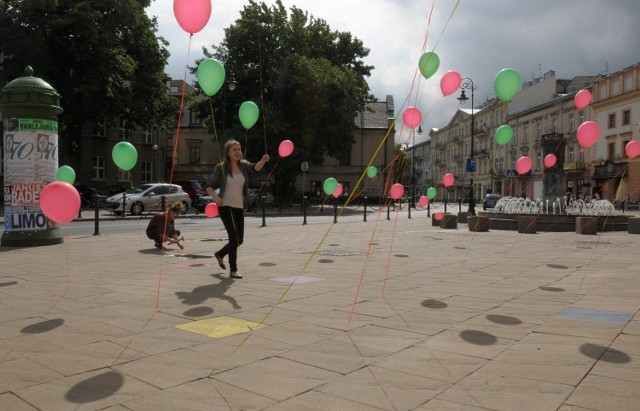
<point>543,111</point>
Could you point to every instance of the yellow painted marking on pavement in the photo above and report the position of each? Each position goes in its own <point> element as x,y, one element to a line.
<point>220,327</point>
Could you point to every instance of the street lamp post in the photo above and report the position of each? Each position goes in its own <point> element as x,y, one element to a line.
<point>231,85</point>
<point>467,84</point>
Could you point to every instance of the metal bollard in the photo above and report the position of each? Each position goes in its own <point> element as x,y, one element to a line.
<point>445,204</point>
<point>163,205</point>
<point>264,212</point>
<point>124,205</point>
<point>304,210</point>
<point>197,204</point>
<point>388,208</point>
<point>429,209</point>
<point>459,204</point>
<point>365,200</point>
<point>335,210</point>
<point>96,207</point>
<point>408,208</point>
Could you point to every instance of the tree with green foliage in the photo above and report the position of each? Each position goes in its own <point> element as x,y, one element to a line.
<point>307,80</point>
<point>103,57</point>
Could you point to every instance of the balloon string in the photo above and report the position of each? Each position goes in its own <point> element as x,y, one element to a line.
<point>214,128</point>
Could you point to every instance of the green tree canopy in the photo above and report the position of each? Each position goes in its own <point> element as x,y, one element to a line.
<point>103,58</point>
<point>308,80</point>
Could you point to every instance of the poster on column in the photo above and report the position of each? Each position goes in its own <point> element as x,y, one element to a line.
<point>30,163</point>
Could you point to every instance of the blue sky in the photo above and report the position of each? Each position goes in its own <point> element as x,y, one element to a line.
<point>571,37</point>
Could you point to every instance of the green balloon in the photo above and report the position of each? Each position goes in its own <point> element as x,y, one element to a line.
<point>504,134</point>
<point>372,171</point>
<point>66,174</point>
<point>431,193</point>
<point>124,155</point>
<point>329,186</point>
<point>210,76</point>
<point>429,63</point>
<point>249,113</point>
<point>507,84</point>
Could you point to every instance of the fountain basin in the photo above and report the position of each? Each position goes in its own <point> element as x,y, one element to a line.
<point>553,222</point>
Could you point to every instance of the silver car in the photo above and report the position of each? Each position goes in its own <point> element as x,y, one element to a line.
<point>148,198</point>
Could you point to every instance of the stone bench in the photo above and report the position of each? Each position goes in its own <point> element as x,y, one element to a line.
<point>527,224</point>
<point>587,225</point>
<point>634,226</point>
<point>449,221</point>
<point>478,224</point>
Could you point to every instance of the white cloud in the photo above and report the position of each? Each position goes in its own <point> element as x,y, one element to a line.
<point>572,37</point>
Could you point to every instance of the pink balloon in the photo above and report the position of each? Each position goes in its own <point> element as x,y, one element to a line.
<point>192,15</point>
<point>632,149</point>
<point>450,82</point>
<point>397,190</point>
<point>588,133</point>
<point>438,216</point>
<point>582,99</point>
<point>285,149</point>
<point>448,180</point>
<point>338,191</point>
<point>423,201</point>
<point>523,165</point>
<point>60,201</point>
<point>550,160</point>
<point>211,210</point>
<point>412,117</point>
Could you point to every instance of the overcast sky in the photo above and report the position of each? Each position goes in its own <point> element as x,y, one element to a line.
<point>571,37</point>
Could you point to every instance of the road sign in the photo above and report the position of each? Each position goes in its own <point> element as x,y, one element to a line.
<point>304,166</point>
<point>511,173</point>
<point>471,165</point>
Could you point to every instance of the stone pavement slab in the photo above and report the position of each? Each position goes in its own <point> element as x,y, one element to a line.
<point>389,314</point>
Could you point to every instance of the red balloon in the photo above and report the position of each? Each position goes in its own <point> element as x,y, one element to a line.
<point>632,149</point>
<point>588,133</point>
<point>397,190</point>
<point>523,165</point>
<point>412,117</point>
<point>438,216</point>
<point>582,99</point>
<point>450,82</point>
<point>338,191</point>
<point>211,210</point>
<point>423,201</point>
<point>192,15</point>
<point>285,149</point>
<point>448,180</point>
<point>60,201</point>
<point>550,160</point>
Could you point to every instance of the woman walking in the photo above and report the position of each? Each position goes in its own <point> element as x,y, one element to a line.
<point>231,177</point>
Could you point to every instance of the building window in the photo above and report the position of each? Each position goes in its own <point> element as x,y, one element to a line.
<point>147,175</point>
<point>316,189</point>
<point>125,133</point>
<point>98,167</point>
<point>611,151</point>
<point>572,123</point>
<point>626,117</point>
<point>147,135</point>
<point>612,120</point>
<point>571,154</point>
<point>345,188</point>
<point>581,120</point>
<point>194,155</point>
<point>539,160</point>
<point>99,128</point>
<point>344,159</point>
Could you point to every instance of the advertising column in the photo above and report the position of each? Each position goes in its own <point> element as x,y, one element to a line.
<point>30,128</point>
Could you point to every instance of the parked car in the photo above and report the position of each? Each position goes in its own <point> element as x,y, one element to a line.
<point>86,194</point>
<point>148,198</point>
<point>191,187</point>
<point>490,201</point>
<point>262,196</point>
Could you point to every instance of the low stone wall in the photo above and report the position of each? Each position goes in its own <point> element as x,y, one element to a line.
<point>478,224</point>
<point>553,222</point>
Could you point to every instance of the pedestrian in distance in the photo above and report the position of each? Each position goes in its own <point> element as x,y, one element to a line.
<point>231,177</point>
<point>161,228</point>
